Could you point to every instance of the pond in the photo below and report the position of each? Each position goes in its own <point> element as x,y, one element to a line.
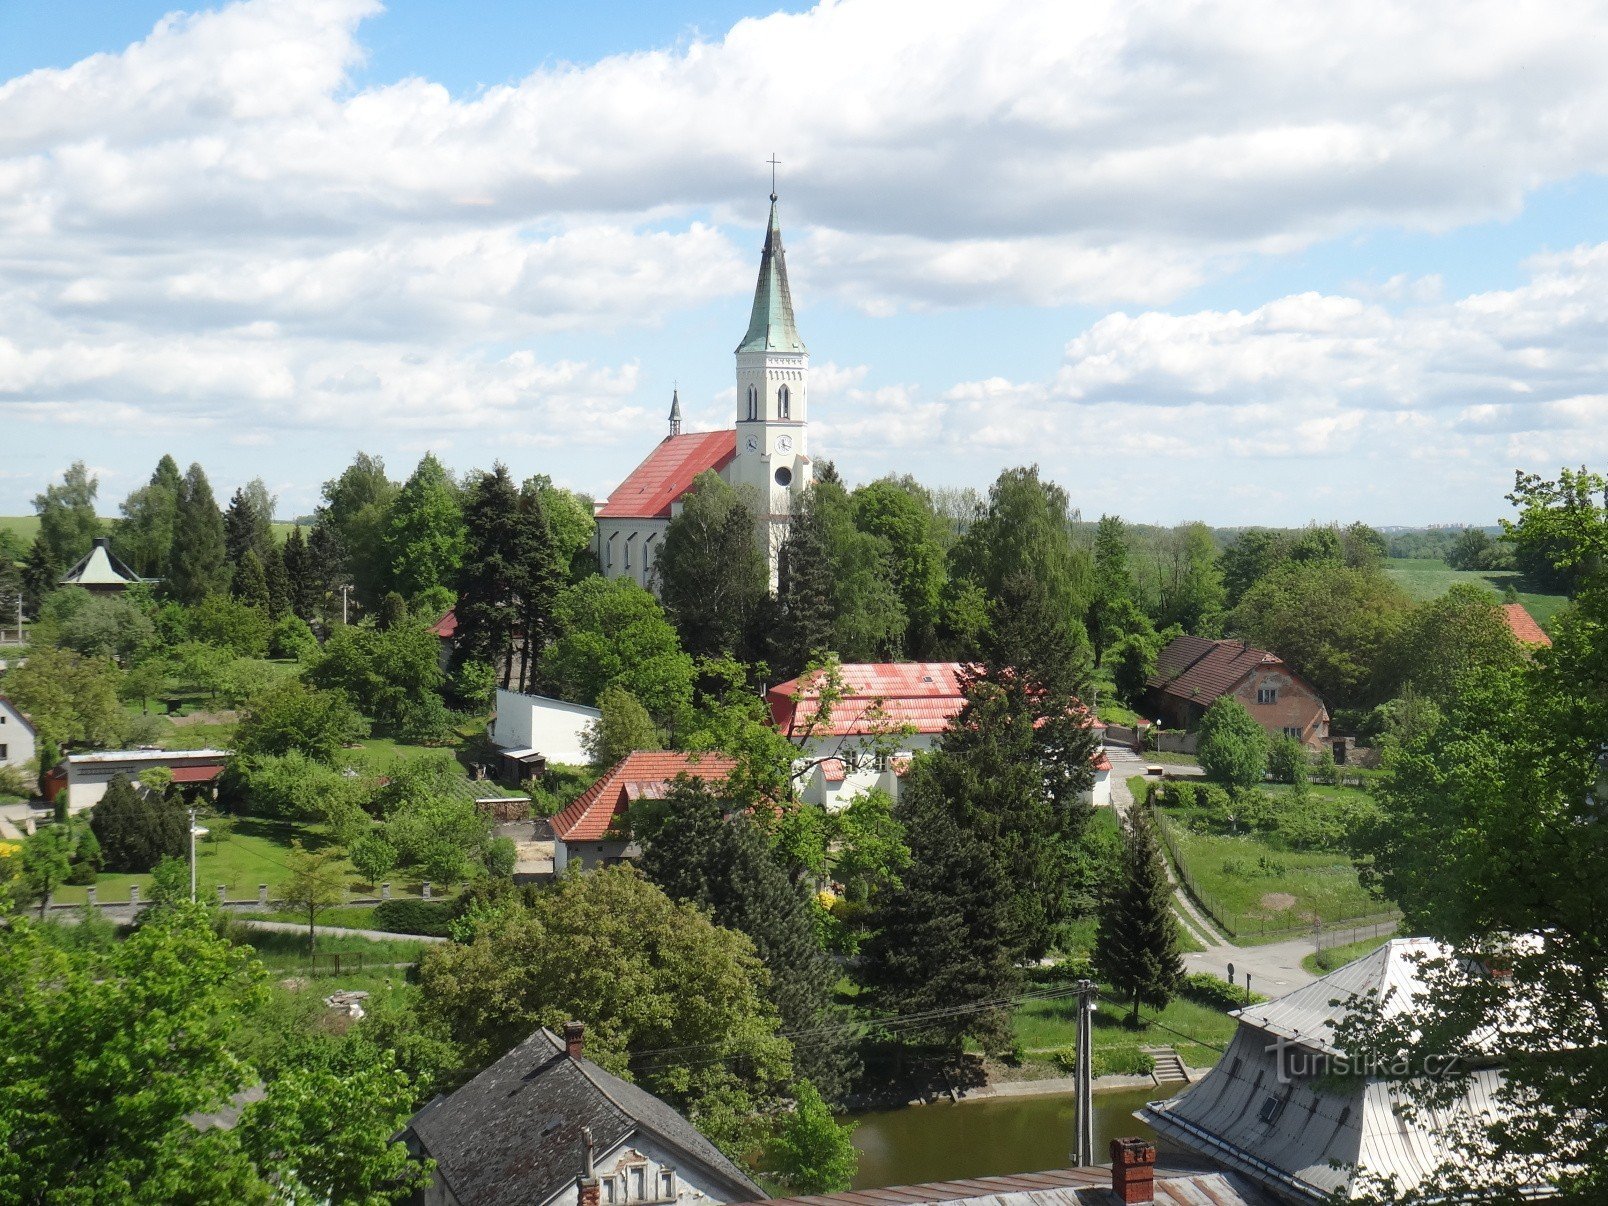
<point>946,1141</point>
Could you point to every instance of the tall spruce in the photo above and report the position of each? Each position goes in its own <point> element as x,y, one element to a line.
<point>1136,945</point>
<point>249,583</point>
<point>803,629</point>
<point>539,574</point>
<point>278,581</point>
<point>723,863</point>
<point>943,946</point>
<point>145,537</point>
<point>198,565</point>
<point>488,607</point>
<point>303,590</point>
<point>248,523</point>
<point>67,521</point>
<point>712,577</point>
<point>40,574</point>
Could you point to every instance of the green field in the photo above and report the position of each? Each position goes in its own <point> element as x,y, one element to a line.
<point>1043,1026</point>
<point>1424,579</point>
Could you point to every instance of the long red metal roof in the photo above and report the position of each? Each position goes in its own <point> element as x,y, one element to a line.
<point>667,474</point>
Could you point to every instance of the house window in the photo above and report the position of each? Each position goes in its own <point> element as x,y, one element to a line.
<point>667,1185</point>
<point>753,402</point>
<point>3,752</point>
<point>784,402</point>
<point>1291,730</point>
<point>608,1189</point>
<point>1267,695</point>
<point>628,541</point>
<point>639,1183</point>
<point>608,551</point>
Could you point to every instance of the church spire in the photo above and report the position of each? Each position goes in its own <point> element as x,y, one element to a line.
<point>770,324</point>
<point>675,412</point>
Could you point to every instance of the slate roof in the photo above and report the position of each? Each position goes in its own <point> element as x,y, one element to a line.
<point>667,474</point>
<point>770,324</point>
<point>512,1135</point>
<point>1056,1187</point>
<point>1523,626</point>
<point>99,567</point>
<point>1199,670</point>
<point>639,775</point>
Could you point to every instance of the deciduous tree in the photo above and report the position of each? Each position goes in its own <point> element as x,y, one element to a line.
<point>612,633</point>
<point>712,576</point>
<point>813,1152</point>
<point>1233,747</point>
<point>624,726</point>
<point>145,537</point>
<point>424,535</point>
<point>68,524</point>
<point>316,883</point>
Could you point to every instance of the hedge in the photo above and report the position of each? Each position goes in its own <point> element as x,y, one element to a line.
<point>1206,989</point>
<point>426,917</point>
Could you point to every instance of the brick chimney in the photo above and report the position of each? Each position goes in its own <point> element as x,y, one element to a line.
<point>1133,1170</point>
<point>574,1039</point>
<point>587,1189</point>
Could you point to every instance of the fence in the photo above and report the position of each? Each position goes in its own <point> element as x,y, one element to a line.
<point>1258,925</point>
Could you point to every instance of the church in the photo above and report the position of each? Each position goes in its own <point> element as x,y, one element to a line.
<point>764,457</point>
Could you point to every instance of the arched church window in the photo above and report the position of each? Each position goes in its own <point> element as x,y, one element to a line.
<point>753,401</point>
<point>784,402</point>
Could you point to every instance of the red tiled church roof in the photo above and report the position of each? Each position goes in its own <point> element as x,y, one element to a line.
<point>921,695</point>
<point>1197,669</point>
<point>667,474</point>
<point>639,775</point>
<point>1525,630</point>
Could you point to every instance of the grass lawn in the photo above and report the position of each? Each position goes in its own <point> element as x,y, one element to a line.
<point>1426,578</point>
<point>1164,758</point>
<point>1321,962</point>
<point>1043,1026</point>
<point>289,951</point>
<point>25,526</point>
<point>1258,892</point>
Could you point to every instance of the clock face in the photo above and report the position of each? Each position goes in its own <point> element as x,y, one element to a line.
<point>784,443</point>
<point>753,443</point>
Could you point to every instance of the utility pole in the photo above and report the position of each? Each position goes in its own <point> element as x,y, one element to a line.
<point>344,589</point>
<point>1083,1143</point>
<point>192,856</point>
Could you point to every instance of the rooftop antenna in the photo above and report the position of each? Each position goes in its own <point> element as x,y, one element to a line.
<point>773,161</point>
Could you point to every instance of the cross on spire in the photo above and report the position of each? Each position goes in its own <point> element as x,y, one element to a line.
<point>773,161</point>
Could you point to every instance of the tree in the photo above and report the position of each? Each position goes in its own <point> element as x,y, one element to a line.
<point>71,698</point>
<point>40,574</point>
<point>812,1152</point>
<point>197,565</point>
<point>805,614</point>
<point>249,584</point>
<point>1557,539</point>
<point>899,512</point>
<point>442,835</point>
<point>136,830</point>
<point>1445,639</point>
<point>698,854</point>
<point>1287,760</point>
<point>1112,612</point>
<point>488,582</point>
<point>1233,747</point>
<point>305,589</point>
<point>870,853</point>
<point>570,521</point>
<point>354,518</point>
<point>539,572</point>
<point>316,883</point>
<point>296,787</point>
<point>1334,625</point>
<point>712,578</point>
<point>624,726</point>
<point>145,537</point>
<point>248,525</point>
<point>424,536</point>
<point>390,670</point>
<point>230,625</point>
<point>68,524</point>
<point>1136,944</point>
<point>291,639</point>
<point>682,1008</point>
<point>612,633</point>
<point>46,863</point>
<point>373,857</point>
<point>1192,593</point>
<point>294,716</point>
<point>108,626</point>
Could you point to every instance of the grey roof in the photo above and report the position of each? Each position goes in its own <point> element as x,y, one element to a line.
<point>1309,1136</point>
<point>99,567</point>
<point>1089,1186</point>
<point>770,324</point>
<point>512,1136</point>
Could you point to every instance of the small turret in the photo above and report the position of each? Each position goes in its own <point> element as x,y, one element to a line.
<point>675,412</point>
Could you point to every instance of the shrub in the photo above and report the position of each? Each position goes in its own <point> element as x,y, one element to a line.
<point>14,783</point>
<point>427,917</point>
<point>1287,760</point>
<point>292,639</point>
<point>1206,989</point>
<point>1122,1061</point>
<point>500,857</point>
<point>1233,747</point>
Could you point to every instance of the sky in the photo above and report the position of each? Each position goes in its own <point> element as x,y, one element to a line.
<point>1260,261</point>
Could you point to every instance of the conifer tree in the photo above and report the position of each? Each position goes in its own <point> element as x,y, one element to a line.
<point>40,574</point>
<point>539,573</point>
<point>488,607</point>
<point>197,566</point>
<point>1112,612</point>
<point>248,523</point>
<point>326,572</point>
<point>803,627</point>
<point>249,583</point>
<point>696,853</point>
<point>944,943</point>
<point>145,537</point>
<point>303,589</point>
<point>1136,946</point>
<point>278,582</point>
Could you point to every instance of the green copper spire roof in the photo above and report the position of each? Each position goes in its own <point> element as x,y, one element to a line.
<point>770,326</point>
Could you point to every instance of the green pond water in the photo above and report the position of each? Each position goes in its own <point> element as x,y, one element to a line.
<point>946,1141</point>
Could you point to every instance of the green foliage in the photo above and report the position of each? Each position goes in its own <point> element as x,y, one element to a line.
<point>67,521</point>
<point>170,881</point>
<point>677,985</point>
<point>403,916</point>
<point>624,727</point>
<point>424,533</point>
<point>145,535</point>
<point>899,513</point>
<point>46,862</point>
<point>1233,747</point>
<point>474,686</point>
<point>294,716</point>
<point>351,525</point>
<point>72,699</point>
<point>1446,639</point>
<point>1136,947</point>
<point>713,580</point>
<point>229,624</point>
<point>870,853</point>
<point>136,829</point>
<point>317,882</point>
<point>1207,989</point>
<point>373,857</point>
<point>106,626</point>
<point>294,786</point>
<point>500,858</point>
<point>1286,760</point>
<point>292,639</point>
<point>394,672</point>
<point>612,633</point>
<point>442,836</point>
<point>811,1151</point>
<point>198,563</point>
<point>570,524</point>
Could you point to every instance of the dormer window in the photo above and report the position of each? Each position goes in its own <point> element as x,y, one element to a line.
<point>753,402</point>
<point>784,402</point>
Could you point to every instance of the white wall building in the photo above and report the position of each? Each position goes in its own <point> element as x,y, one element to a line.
<point>538,726</point>
<point>18,740</point>
<point>87,776</point>
<point>765,456</point>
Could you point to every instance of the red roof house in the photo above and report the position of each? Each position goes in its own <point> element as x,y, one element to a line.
<point>1525,630</point>
<point>588,831</point>
<point>1193,672</point>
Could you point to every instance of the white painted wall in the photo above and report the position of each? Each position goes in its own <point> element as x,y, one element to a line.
<point>17,745</point>
<point>629,548</point>
<point>89,775</point>
<point>551,727</point>
<point>640,1162</point>
<point>816,788</point>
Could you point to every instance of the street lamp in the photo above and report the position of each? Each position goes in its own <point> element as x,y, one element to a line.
<point>195,832</point>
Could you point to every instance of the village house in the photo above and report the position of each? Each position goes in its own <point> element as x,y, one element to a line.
<point>1193,672</point>
<point>545,1126</point>
<point>18,738</point>
<point>764,456</point>
<point>1269,1111</point>
<point>591,832</point>
<point>887,713</point>
<point>85,777</point>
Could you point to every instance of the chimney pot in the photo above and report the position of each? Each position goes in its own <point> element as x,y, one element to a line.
<point>1133,1170</point>
<point>574,1039</point>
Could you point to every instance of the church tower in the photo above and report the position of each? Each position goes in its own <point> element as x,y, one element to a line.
<point>772,466</point>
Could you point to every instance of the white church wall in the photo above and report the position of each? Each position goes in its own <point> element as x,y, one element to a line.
<point>629,548</point>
